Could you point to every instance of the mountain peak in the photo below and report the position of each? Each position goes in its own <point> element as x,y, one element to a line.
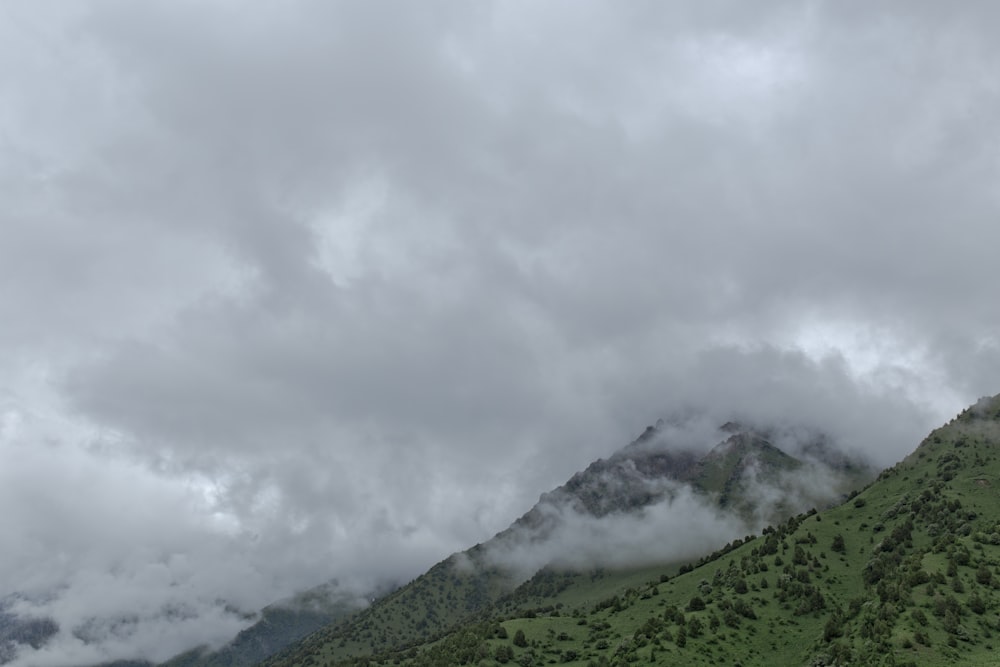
<point>732,427</point>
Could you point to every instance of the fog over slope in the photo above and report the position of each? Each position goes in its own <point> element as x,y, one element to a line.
<point>322,289</point>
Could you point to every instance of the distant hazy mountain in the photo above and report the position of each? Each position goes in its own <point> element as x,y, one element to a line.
<point>277,626</point>
<point>27,631</point>
<point>280,625</point>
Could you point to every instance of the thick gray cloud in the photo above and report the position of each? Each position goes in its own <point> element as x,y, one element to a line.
<point>333,289</point>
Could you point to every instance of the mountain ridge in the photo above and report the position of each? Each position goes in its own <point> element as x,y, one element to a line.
<point>905,572</point>
<point>634,479</point>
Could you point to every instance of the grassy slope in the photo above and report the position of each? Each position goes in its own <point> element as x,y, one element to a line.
<point>915,581</point>
<point>447,594</point>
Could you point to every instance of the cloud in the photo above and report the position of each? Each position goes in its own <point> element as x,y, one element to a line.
<point>333,289</point>
<point>114,554</point>
<point>684,526</point>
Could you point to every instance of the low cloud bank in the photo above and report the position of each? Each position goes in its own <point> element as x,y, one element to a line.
<point>681,527</point>
<point>122,562</point>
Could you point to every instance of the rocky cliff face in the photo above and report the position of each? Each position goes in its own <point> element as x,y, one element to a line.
<point>744,472</point>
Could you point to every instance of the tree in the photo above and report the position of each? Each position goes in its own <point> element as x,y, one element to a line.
<point>838,545</point>
<point>833,628</point>
<point>713,622</point>
<point>503,654</point>
<point>519,639</point>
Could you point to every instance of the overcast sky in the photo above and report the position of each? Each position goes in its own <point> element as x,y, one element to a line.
<point>295,290</point>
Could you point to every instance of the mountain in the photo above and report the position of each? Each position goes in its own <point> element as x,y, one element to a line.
<point>743,478</point>
<point>645,472</point>
<point>15,630</point>
<point>906,572</point>
<point>280,625</point>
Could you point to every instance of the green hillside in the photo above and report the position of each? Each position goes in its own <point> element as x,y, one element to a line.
<point>471,585</point>
<point>905,572</point>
